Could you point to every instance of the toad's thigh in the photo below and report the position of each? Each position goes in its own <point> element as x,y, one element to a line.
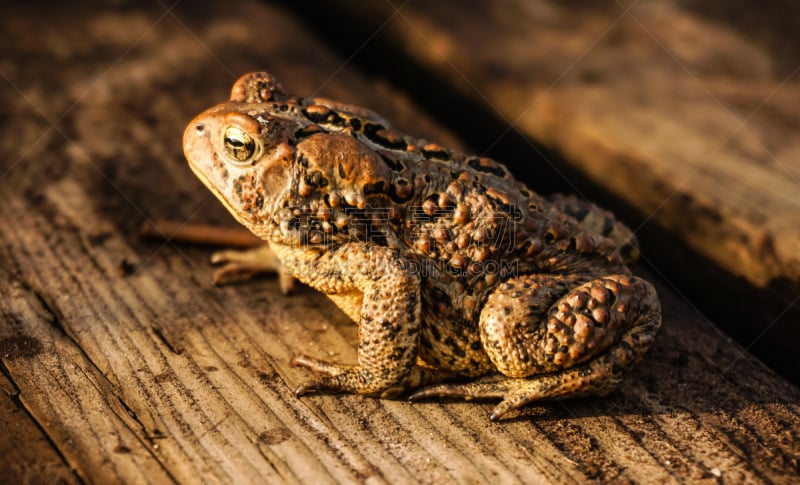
<point>453,345</point>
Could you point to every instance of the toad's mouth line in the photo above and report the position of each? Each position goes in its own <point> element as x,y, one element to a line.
<point>217,193</point>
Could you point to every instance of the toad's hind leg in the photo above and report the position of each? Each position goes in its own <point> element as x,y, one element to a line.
<point>550,347</point>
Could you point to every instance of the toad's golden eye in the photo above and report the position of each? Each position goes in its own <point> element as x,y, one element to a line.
<point>239,145</point>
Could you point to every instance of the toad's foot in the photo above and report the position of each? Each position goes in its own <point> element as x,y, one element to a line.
<point>597,377</point>
<point>335,377</point>
<point>243,265</point>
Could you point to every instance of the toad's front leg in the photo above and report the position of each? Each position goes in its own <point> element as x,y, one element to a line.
<point>240,265</point>
<point>388,320</point>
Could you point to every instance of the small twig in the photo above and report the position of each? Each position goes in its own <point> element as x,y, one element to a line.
<point>198,234</point>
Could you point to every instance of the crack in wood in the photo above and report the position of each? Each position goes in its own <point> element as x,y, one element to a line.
<point>17,399</point>
<point>158,332</point>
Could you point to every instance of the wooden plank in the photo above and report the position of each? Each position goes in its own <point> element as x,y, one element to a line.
<point>685,113</point>
<point>195,380</point>
<point>68,398</point>
<point>28,456</point>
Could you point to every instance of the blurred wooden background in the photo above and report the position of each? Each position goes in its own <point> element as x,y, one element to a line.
<point>122,363</point>
<point>680,115</point>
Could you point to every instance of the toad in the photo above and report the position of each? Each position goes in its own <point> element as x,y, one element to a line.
<point>462,280</point>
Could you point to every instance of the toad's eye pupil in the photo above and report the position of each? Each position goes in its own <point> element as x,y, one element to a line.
<point>239,145</point>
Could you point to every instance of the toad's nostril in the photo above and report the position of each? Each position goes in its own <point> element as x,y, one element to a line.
<point>200,128</point>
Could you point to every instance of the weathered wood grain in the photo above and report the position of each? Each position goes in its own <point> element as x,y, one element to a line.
<point>28,455</point>
<point>69,398</point>
<point>684,112</point>
<point>145,372</point>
